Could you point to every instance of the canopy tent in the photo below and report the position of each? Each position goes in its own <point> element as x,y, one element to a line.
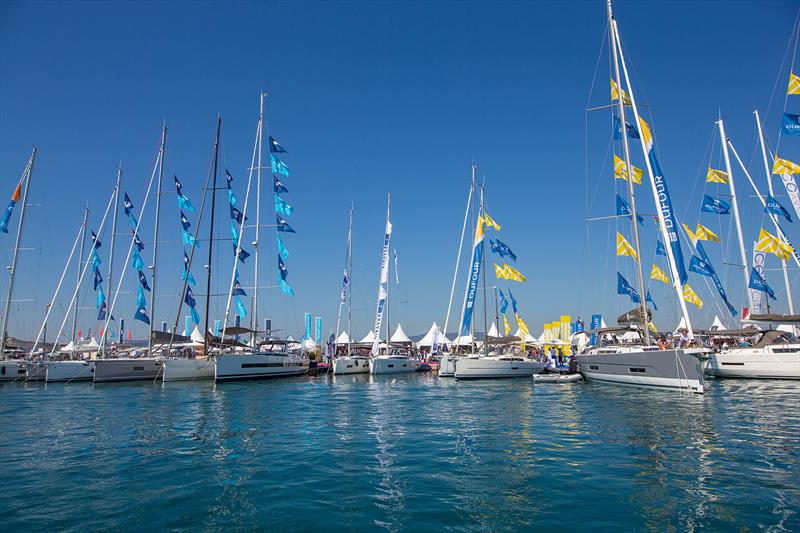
<point>441,339</point>
<point>369,338</point>
<point>717,325</point>
<point>309,344</point>
<point>493,331</point>
<point>197,337</point>
<point>343,338</point>
<point>681,325</point>
<point>399,336</point>
<point>528,338</point>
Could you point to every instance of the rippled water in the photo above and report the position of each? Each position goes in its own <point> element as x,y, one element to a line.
<point>399,453</point>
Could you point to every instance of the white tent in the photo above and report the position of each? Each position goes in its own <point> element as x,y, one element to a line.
<point>427,340</point>
<point>400,336</point>
<point>196,336</point>
<point>528,338</point>
<point>309,344</point>
<point>369,338</point>
<point>493,331</point>
<point>343,338</point>
<point>92,344</point>
<point>70,347</point>
<point>603,323</point>
<point>717,325</point>
<point>681,325</point>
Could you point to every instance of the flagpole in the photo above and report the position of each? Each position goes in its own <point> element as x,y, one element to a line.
<point>629,179</point>
<point>155,239</point>
<point>772,193</point>
<point>113,239</point>
<point>78,280</point>
<point>350,285</point>
<point>343,294</point>
<point>211,238</point>
<point>458,256</point>
<point>12,273</point>
<point>388,275</point>
<point>483,260</point>
<point>257,240</point>
<point>735,202</point>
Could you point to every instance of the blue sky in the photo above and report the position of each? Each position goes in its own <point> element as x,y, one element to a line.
<point>376,97</point>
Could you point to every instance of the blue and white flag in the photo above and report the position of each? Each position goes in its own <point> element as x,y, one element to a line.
<point>708,267</point>
<point>183,200</point>
<point>632,133</point>
<point>791,124</point>
<point>281,207</point>
<point>242,255</point>
<point>189,298</point>
<point>141,315</point>
<point>143,281</point>
<point>185,221</point>
<point>596,322</point>
<point>278,166</point>
<point>101,315</point>
<point>282,225</point>
<point>95,241</point>
<point>699,266</point>
<point>660,250</point>
<point>275,147</point>
<point>127,205</point>
<point>626,289</point>
<point>758,283</point>
<point>284,272</point>
<point>774,207</point>
<point>502,249</point>
<point>715,205</point>
<point>237,288</point>
<point>137,242</point>
<point>186,272</point>
<point>278,186</point>
<point>237,215</point>
<point>623,209</point>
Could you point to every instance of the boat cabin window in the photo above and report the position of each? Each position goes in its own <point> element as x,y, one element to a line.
<point>633,370</point>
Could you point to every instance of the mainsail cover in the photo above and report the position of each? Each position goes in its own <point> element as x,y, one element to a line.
<point>382,286</point>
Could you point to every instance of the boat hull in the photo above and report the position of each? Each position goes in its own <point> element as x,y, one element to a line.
<point>447,366</point>
<point>496,368</point>
<point>188,369</point>
<point>13,370</point>
<point>350,365</point>
<point>392,365</point>
<point>756,363</point>
<point>62,371</point>
<point>109,370</point>
<point>661,369</point>
<point>262,365</point>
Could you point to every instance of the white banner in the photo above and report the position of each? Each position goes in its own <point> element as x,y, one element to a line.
<point>792,191</point>
<point>758,296</point>
<point>382,288</point>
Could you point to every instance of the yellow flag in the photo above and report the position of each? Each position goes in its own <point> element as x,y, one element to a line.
<point>658,274</point>
<point>784,166</point>
<point>690,296</point>
<point>500,272</point>
<point>512,273</point>
<point>506,325</point>
<point>523,327</point>
<point>690,233</point>
<point>794,84</point>
<point>716,176</point>
<point>647,135</point>
<point>621,170</point>
<point>652,327</point>
<point>704,234</point>
<point>490,223</point>
<point>624,247</point>
<point>615,93</point>
<point>767,242</point>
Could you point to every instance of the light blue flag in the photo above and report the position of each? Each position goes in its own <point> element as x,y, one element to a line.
<point>287,290</point>
<point>95,260</point>
<point>278,166</point>
<point>234,234</point>
<point>232,197</point>
<point>101,297</point>
<point>141,315</point>
<point>183,200</point>
<point>191,278</point>
<point>284,253</point>
<point>195,315</point>
<point>282,207</point>
<point>189,240</point>
<point>141,301</point>
<point>136,261</point>
<point>240,308</point>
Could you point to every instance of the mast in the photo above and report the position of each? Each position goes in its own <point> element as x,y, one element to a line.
<point>735,203</point>
<point>388,275</point>
<point>113,237</point>
<point>676,281</point>
<point>211,237</point>
<point>155,239</point>
<point>629,180</point>
<point>80,276</point>
<point>350,284</point>
<point>458,256</point>
<point>257,240</point>
<point>343,294</point>
<point>496,313</point>
<point>772,193</point>
<point>483,260</point>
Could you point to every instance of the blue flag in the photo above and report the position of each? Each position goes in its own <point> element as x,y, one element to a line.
<point>189,298</point>
<point>502,249</point>
<point>141,301</point>
<point>279,187</point>
<point>143,281</point>
<point>240,308</point>
<point>186,270</point>
<point>283,226</point>
<point>649,298</point>
<point>185,221</point>
<point>189,240</point>
<point>95,261</point>
<point>237,215</point>
<point>232,197</point>
<point>275,147</point>
<point>758,283</point>
<point>707,267</point>
<point>101,315</point>
<point>95,241</point>
<point>98,278</point>
<point>183,200</point>
<point>282,207</point>
<point>503,302</point>
<point>287,290</point>
<point>625,288</point>
<point>632,133</point>
<point>195,315</point>
<point>237,288</point>
<point>136,261</point>
<point>513,301</point>
<point>660,250</point>
<point>715,205</point>
<point>101,297</point>
<point>278,166</point>
<point>228,177</point>
<point>137,241</point>
<point>623,209</point>
<point>791,124</point>
<point>700,266</point>
<point>774,207</point>
<point>284,253</point>
<point>282,268</point>
<point>234,235</point>
<point>243,254</point>
<point>127,205</point>
<point>141,315</point>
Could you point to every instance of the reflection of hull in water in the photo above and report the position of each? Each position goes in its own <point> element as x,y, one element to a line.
<point>351,365</point>
<point>69,371</point>
<point>388,364</point>
<point>132,369</point>
<point>662,369</point>
<point>183,369</point>
<point>13,370</point>
<point>259,365</point>
<point>496,367</point>
<point>557,378</point>
<point>771,362</point>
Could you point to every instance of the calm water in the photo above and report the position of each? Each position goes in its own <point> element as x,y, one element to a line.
<point>407,453</point>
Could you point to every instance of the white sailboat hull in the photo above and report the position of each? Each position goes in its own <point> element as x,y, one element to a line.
<point>184,369</point>
<point>662,369</point>
<point>496,367</point>
<point>13,370</point>
<point>383,364</point>
<point>779,362</point>
<point>259,365</point>
<point>447,366</point>
<point>350,365</point>
<point>69,371</point>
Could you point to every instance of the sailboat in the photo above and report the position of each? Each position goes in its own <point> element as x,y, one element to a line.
<point>644,365</point>
<point>391,361</point>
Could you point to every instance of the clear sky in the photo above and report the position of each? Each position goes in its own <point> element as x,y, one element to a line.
<point>380,97</point>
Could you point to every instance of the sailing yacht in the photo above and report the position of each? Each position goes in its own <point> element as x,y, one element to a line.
<point>774,354</point>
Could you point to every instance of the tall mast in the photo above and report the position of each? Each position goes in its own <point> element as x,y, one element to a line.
<point>155,239</point>
<point>496,313</point>
<point>113,236</point>
<point>211,236</point>
<point>629,180</point>
<point>458,256</point>
<point>80,275</point>
<point>343,294</point>
<point>12,273</point>
<point>257,240</point>
<point>676,281</point>
<point>483,260</point>
<point>772,193</point>
<point>735,203</point>
<point>388,274</point>
<point>350,284</point>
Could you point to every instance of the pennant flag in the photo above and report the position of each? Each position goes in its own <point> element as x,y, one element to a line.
<point>237,215</point>
<point>95,261</point>
<point>183,200</point>
<point>660,250</point>
<point>715,205</point>
<point>791,124</point>
<point>189,240</point>
<point>282,268</point>
<point>513,301</point>
<point>195,315</point>
<point>243,254</point>
<point>704,234</point>
<point>708,270</point>
<point>283,225</point>
<point>700,266</point>
<point>278,166</point>
<point>658,274</point>
<point>279,187</point>
<point>237,289</point>
<point>232,197</point>
<point>186,272</point>
<point>489,222</point>
<point>234,235</point>
<point>128,205</point>
<point>101,297</point>
<point>506,326</point>
<point>98,279</point>
<point>615,90</point>
<point>228,178</point>
<point>621,170</point>
<point>716,176</point>
<point>189,298</point>
<point>625,288</point>
<point>767,242</point>
<point>136,261</point>
<point>6,218</point>
<point>97,244</point>
<point>141,301</point>
<point>101,315</point>
<point>141,315</point>
<point>503,302</point>
<point>690,296</point>
<point>523,327</point>
<point>185,221</point>
<point>137,242</point>
<point>287,290</point>
<point>284,253</point>
<point>282,207</point>
<point>784,166</point>
<point>794,84</point>
<point>275,147</point>
<point>624,247</point>
<point>631,129</point>
<point>774,207</point>
<point>758,283</point>
<point>690,233</point>
<point>623,209</point>
<point>240,309</point>
<point>649,298</point>
<point>508,272</point>
<point>143,281</point>
<point>502,249</point>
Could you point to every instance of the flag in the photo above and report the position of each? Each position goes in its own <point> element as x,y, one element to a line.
<point>232,197</point>
<point>6,218</point>
<point>237,215</point>
<point>625,288</point>
<point>506,325</point>
<point>136,261</point>
<point>143,281</point>
<point>237,289</point>
<point>101,315</point>
<point>489,222</point>
<point>283,225</point>
<point>523,327</point>
<point>502,249</point>
<point>660,250</point>
<point>758,283</point>
<point>287,290</point>
<point>716,176</point>
<point>282,207</point>
<point>623,209</point>
<point>186,272</point>
<point>784,166</point>
<point>615,90</point>
<point>767,242</point>
<point>189,240</point>
<point>621,170</point>
<point>278,186</point>
<point>183,200</point>
<point>649,298</point>
<point>188,298</point>
<point>513,301</point>
<point>794,84</point>
<point>708,270</point>
<point>242,255</point>
<point>95,241</point>
<point>101,297</point>
<point>624,247</point>
<point>185,221</point>
<point>632,133</point>
<point>690,296</point>
<point>278,166</point>
<point>95,260</point>
<point>508,272</point>
<point>774,207</point>
<point>791,124</point>
<point>282,268</point>
<point>275,147</point>
<point>141,315</point>
<point>715,205</point>
<point>98,278</point>
<point>141,301</point>
<point>396,269</point>
<point>234,235</point>
<point>127,205</point>
<point>658,274</point>
<point>284,253</point>
<point>503,302</point>
<point>240,309</point>
<point>690,233</point>
<point>137,241</point>
<point>704,234</point>
<point>699,266</point>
